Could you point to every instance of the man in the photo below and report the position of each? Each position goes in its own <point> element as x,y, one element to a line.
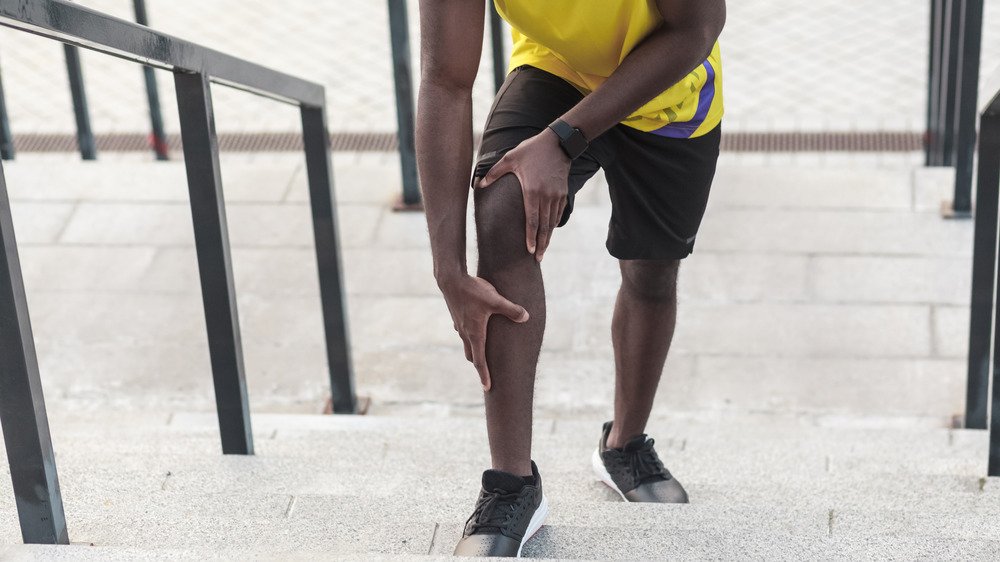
<point>630,86</point>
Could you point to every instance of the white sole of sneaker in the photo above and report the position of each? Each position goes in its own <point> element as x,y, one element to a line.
<point>537,520</point>
<point>602,473</point>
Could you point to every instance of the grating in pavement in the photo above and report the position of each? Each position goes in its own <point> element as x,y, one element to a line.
<point>870,141</point>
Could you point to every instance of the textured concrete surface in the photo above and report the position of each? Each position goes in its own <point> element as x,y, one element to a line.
<point>127,554</point>
<point>762,485</point>
<point>863,286</point>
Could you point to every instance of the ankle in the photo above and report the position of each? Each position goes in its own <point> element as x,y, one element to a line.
<point>516,468</point>
<point>615,440</point>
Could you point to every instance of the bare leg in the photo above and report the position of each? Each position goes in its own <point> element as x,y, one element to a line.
<point>641,331</point>
<point>511,349</point>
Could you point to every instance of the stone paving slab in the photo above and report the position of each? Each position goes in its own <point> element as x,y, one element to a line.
<point>162,433</point>
<point>793,330</point>
<point>80,552</point>
<point>945,280</point>
<point>36,179</point>
<point>392,537</point>
<point>797,432</point>
<point>707,452</point>
<point>778,187</point>
<point>26,553</point>
<point>783,473</point>
<point>834,232</point>
<point>901,386</point>
<point>38,223</point>
<point>887,549</point>
<point>951,331</point>
<point>626,544</point>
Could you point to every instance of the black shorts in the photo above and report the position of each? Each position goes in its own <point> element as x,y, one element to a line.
<point>659,185</point>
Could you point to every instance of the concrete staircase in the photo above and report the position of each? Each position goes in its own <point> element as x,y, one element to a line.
<point>818,362</point>
<point>762,486</point>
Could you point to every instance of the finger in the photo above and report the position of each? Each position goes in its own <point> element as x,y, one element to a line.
<point>550,228</point>
<point>530,221</point>
<point>544,211</point>
<point>560,208</point>
<point>468,349</point>
<point>514,312</point>
<point>479,359</point>
<point>498,170</point>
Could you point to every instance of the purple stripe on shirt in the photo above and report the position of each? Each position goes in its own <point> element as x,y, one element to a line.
<point>705,97</point>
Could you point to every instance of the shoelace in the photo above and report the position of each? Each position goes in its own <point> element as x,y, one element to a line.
<point>489,512</point>
<point>645,463</point>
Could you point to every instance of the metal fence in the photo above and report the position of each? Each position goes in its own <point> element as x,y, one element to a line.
<point>195,69</point>
<point>402,67</point>
<point>85,140</point>
<point>956,33</point>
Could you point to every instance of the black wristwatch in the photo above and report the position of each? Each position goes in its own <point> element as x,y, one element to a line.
<point>571,139</point>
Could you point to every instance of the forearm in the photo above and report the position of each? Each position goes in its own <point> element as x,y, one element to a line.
<point>663,59</point>
<point>444,162</point>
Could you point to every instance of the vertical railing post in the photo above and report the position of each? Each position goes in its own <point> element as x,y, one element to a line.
<point>984,274</point>
<point>399,34</point>
<point>208,213</point>
<point>316,139</point>
<point>158,137</point>
<point>935,84</point>
<point>987,240</point>
<point>950,75</point>
<point>22,407</point>
<point>497,42</point>
<point>84,134</point>
<point>6,138</point>
<point>967,90</point>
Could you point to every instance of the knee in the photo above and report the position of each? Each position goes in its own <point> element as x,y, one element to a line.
<point>650,280</point>
<point>500,224</point>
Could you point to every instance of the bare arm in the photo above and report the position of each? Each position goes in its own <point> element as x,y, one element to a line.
<point>689,31</point>
<point>450,46</point>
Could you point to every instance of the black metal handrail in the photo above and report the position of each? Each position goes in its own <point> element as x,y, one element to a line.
<point>195,68</point>
<point>982,353</point>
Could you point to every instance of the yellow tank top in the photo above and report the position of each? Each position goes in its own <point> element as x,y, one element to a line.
<point>584,41</point>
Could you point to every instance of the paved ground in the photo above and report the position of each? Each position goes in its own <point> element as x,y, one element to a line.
<point>812,290</point>
<point>762,486</point>
<point>820,65</point>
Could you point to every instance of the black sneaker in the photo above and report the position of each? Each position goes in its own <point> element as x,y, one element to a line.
<point>508,513</point>
<point>635,471</point>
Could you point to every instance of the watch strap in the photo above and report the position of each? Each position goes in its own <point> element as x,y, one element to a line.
<point>571,139</point>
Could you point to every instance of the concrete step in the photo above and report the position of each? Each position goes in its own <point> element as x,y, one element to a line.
<point>554,542</point>
<point>96,482</point>
<point>706,445</point>
<point>727,450</point>
<point>820,488</point>
<point>88,553</point>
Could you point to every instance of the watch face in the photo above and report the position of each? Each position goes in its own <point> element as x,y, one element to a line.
<point>575,145</point>
<point>571,139</point>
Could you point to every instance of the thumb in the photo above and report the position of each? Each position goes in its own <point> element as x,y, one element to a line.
<point>498,170</point>
<point>515,312</point>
